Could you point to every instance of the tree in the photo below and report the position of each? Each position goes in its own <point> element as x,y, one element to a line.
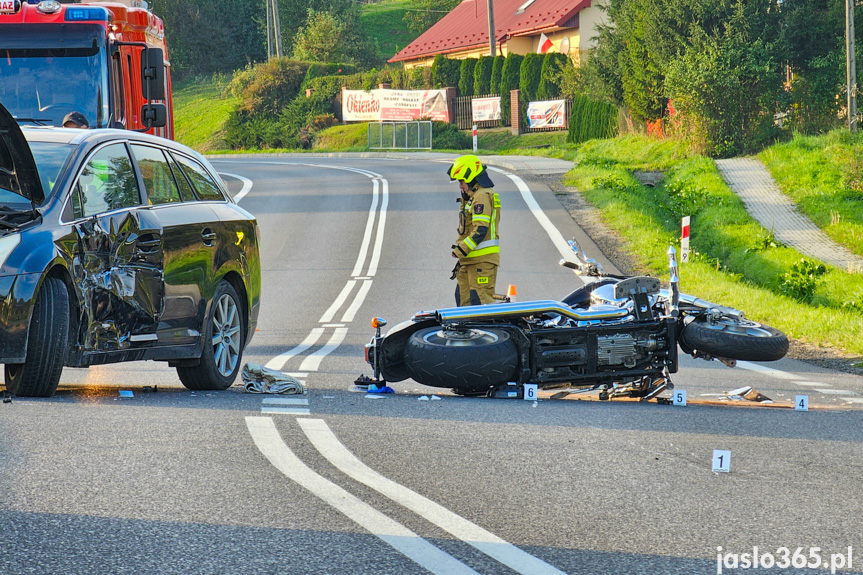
<point>329,38</point>
<point>445,72</point>
<point>482,76</point>
<point>426,14</point>
<point>210,36</point>
<point>551,77</point>
<point>465,80</point>
<point>509,78</point>
<point>725,85</point>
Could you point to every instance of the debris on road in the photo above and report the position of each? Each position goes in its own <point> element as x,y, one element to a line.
<point>259,379</point>
<point>749,394</point>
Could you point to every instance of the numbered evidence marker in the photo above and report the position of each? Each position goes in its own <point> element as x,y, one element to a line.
<point>679,397</point>
<point>721,460</point>
<point>801,403</point>
<point>530,391</point>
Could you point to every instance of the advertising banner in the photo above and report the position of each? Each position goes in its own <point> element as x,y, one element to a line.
<point>398,105</point>
<point>547,114</point>
<point>485,109</point>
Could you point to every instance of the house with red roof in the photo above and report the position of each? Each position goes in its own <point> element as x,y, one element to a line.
<point>521,27</point>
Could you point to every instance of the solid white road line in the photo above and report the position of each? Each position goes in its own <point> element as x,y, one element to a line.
<point>402,539</point>
<point>313,362</point>
<point>247,185</point>
<point>382,220</point>
<point>279,361</point>
<point>766,370</point>
<point>367,235</point>
<point>336,453</point>
<point>340,300</point>
<point>358,301</point>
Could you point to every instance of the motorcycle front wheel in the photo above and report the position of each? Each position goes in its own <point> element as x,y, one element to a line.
<point>735,339</point>
<point>468,360</point>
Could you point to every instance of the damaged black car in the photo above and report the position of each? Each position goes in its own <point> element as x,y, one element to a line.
<point>119,246</point>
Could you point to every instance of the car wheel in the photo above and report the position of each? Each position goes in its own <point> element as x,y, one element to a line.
<point>223,344</point>
<point>47,344</point>
<point>470,360</point>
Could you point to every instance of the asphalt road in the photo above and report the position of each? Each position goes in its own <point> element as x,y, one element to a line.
<point>230,482</point>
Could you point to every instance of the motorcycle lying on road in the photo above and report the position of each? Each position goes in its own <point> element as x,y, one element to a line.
<point>617,335</point>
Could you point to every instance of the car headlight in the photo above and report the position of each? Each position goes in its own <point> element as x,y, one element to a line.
<point>7,244</point>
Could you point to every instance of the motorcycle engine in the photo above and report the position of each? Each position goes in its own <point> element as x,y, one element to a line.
<point>622,349</point>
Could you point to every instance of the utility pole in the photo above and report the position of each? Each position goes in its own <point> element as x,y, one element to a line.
<point>851,66</point>
<point>492,40</point>
<point>274,30</point>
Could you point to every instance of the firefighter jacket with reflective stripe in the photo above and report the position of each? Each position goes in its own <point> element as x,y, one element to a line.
<point>478,228</point>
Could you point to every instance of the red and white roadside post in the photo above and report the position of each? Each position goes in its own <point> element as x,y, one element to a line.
<point>474,138</point>
<point>684,240</point>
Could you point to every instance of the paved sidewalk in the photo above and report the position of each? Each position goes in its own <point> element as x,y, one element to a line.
<point>750,180</point>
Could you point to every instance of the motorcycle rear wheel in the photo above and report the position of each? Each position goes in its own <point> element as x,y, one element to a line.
<point>732,339</point>
<point>470,361</point>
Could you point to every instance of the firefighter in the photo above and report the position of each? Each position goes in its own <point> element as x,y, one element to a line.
<point>478,244</point>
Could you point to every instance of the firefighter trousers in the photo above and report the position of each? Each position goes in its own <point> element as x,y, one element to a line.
<point>475,284</point>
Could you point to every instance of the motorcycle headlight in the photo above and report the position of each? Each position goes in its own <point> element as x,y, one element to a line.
<point>7,244</point>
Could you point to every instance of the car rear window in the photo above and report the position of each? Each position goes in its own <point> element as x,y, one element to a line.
<point>158,178</point>
<point>202,181</point>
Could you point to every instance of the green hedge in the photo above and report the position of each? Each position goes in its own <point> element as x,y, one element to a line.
<point>551,75</point>
<point>530,75</point>
<point>318,70</point>
<point>445,72</point>
<point>465,80</point>
<point>482,76</point>
<point>509,79</point>
<point>591,119</point>
<point>496,71</point>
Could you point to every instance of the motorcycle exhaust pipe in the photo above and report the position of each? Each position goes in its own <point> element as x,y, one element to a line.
<point>523,309</point>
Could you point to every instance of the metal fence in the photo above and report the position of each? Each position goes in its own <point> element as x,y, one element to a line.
<point>400,135</point>
<point>464,113</point>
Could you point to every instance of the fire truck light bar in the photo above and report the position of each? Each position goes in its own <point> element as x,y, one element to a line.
<point>88,13</point>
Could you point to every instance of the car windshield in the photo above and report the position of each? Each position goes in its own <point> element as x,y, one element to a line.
<point>50,158</point>
<point>41,86</point>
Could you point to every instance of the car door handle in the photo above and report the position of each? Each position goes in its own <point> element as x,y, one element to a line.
<point>148,245</point>
<point>208,236</point>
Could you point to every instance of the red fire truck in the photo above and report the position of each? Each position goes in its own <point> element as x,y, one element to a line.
<point>105,59</point>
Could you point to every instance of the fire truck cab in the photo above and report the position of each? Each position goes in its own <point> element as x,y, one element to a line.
<point>105,59</point>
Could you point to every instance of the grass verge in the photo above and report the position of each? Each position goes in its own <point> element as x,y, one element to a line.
<point>201,108</point>
<point>734,260</point>
<point>824,176</point>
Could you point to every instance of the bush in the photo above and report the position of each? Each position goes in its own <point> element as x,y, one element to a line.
<point>269,87</point>
<point>590,119</point>
<point>496,72</point>
<point>482,76</point>
<point>317,70</point>
<point>551,75</point>
<point>465,80</point>
<point>529,76</point>
<point>509,78</point>
<point>446,136</point>
<point>445,72</point>
<point>801,281</point>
